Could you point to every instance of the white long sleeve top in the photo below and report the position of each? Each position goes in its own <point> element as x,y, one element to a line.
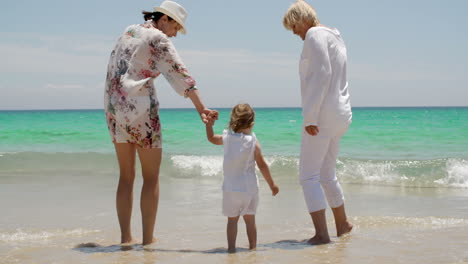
<point>324,87</point>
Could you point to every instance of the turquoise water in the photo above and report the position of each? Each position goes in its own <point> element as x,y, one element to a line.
<point>383,145</point>
<point>376,133</point>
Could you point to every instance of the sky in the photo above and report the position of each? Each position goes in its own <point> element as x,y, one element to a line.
<point>400,53</point>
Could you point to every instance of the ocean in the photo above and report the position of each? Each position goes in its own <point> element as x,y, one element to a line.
<point>423,147</point>
<point>404,171</point>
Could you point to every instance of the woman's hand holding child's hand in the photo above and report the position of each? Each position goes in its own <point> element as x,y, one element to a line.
<point>208,115</point>
<point>212,117</point>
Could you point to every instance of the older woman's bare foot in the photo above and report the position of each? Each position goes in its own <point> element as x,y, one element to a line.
<point>319,240</point>
<point>344,229</point>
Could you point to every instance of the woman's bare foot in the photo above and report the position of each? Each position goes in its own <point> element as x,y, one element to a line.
<point>319,240</point>
<point>231,250</point>
<point>126,240</point>
<point>154,240</point>
<point>344,229</point>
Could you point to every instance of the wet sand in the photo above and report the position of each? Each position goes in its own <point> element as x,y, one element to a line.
<point>72,219</point>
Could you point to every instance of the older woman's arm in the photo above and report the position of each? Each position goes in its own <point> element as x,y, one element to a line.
<point>318,76</point>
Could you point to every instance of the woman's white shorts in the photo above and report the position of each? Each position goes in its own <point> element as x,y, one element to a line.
<point>239,203</point>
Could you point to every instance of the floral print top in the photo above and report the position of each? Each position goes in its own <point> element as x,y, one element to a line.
<point>141,54</point>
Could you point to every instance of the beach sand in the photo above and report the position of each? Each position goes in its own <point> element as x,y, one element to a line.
<point>62,217</point>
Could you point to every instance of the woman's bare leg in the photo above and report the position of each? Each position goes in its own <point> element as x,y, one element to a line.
<point>124,198</point>
<point>150,160</point>
<point>343,226</point>
<point>321,230</point>
<point>251,230</point>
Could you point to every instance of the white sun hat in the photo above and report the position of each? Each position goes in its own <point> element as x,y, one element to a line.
<point>175,11</point>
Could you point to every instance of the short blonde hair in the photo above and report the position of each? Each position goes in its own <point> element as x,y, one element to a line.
<point>242,116</point>
<point>300,12</point>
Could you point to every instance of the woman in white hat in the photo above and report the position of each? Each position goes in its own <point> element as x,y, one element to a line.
<point>142,53</point>
<point>327,114</point>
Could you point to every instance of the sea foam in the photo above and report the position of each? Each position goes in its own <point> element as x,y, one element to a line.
<point>457,174</point>
<point>405,173</point>
<point>28,236</point>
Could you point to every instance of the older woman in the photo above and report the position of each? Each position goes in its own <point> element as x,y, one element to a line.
<point>327,114</point>
<point>141,54</point>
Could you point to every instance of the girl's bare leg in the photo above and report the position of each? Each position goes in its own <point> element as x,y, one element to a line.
<point>251,230</point>
<point>150,160</point>
<point>231,232</point>
<point>124,197</point>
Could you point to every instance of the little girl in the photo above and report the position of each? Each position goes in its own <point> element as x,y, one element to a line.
<point>240,185</point>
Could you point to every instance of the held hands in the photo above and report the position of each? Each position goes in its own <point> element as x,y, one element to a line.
<point>274,189</point>
<point>210,122</point>
<point>312,130</point>
<point>213,116</point>
<point>209,116</point>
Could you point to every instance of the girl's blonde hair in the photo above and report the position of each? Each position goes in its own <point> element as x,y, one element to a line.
<point>300,12</point>
<point>242,116</point>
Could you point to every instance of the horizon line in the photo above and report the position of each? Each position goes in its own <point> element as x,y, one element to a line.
<point>264,107</point>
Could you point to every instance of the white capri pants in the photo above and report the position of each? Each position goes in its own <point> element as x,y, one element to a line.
<point>317,168</point>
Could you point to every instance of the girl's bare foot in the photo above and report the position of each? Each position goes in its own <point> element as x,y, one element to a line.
<point>231,250</point>
<point>344,229</point>
<point>319,240</point>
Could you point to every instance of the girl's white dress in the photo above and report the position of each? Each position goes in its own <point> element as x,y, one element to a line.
<point>240,184</point>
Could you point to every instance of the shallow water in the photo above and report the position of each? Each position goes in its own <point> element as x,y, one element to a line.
<point>47,219</point>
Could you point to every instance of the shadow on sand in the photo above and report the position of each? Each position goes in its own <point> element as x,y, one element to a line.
<point>287,244</point>
<point>97,248</point>
<point>92,247</point>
